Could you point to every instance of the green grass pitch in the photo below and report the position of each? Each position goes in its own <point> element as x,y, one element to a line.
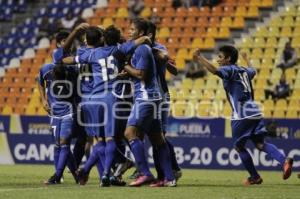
<point>25,181</point>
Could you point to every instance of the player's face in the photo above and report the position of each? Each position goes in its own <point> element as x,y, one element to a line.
<point>222,61</point>
<point>133,32</point>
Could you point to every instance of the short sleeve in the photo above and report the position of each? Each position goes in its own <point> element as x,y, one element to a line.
<point>127,47</point>
<point>144,58</point>
<point>225,72</point>
<point>58,55</point>
<point>82,57</point>
<point>251,71</point>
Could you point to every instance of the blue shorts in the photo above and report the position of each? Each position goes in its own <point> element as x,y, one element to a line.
<point>145,115</point>
<point>122,111</point>
<point>62,128</point>
<point>86,116</point>
<point>247,129</point>
<point>165,112</point>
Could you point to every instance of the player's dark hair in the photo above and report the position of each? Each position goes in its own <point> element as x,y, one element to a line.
<point>93,35</point>
<point>230,51</point>
<point>112,35</point>
<point>61,35</point>
<point>152,30</point>
<point>141,25</point>
<point>59,72</point>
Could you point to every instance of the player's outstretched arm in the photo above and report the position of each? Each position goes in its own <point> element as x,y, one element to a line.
<point>203,61</point>
<point>246,59</point>
<point>139,74</point>
<point>68,43</point>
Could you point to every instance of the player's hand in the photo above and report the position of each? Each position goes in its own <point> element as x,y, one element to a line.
<point>123,73</point>
<point>244,55</point>
<point>82,26</point>
<point>46,107</point>
<point>197,55</point>
<point>146,40</point>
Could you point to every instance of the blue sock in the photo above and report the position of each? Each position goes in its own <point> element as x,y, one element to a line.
<point>78,151</point>
<point>101,155</point>
<point>174,162</point>
<point>248,162</point>
<point>93,159</point>
<point>71,163</point>
<point>273,151</point>
<point>62,160</point>
<point>100,168</point>
<point>137,148</point>
<point>165,161</point>
<point>56,155</point>
<point>110,150</point>
<point>160,173</point>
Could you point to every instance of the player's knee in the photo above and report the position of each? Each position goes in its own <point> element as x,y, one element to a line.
<point>259,146</point>
<point>130,133</point>
<point>107,139</point>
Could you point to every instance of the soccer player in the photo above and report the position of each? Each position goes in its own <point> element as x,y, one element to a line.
<point>105,70</point>
<point>163,63</point>
<point>247,122</point>
<point>144,115</point>
<point>56,88</point>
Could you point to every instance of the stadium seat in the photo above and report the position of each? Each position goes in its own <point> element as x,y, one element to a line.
<point>253,12</point>
<point>87,13</point>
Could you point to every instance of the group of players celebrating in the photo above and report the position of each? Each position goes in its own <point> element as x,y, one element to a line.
<point>115,92</point>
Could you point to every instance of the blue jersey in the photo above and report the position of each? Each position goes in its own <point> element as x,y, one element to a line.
<point>161,70</point>
<point>60,95</point>
<point>238,87</point>
<point>147,89</point>
<point>104,65</point>
<point>86,77</point>
<point>58,54</point>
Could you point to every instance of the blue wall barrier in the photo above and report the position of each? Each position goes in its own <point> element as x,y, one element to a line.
<point>199,143</point>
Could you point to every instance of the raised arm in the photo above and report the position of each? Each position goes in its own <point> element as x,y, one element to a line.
<point>68,43</point>
<point>203,61</point>
<point>139,74</point>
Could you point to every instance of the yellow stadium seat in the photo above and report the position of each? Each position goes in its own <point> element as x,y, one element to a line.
<point>267,3</point>
<point>220,94</point>
<point>257,53</point>
<point>178,109</point>
<point>241,11</point>
<point>291,114</point>
<point>276,73</point>
<point>182,53</point>
<point>146,12</point>
<point>30,110</point>
<point>294,104</point>
<point>259,94</point>
<point>278,114</point>
<point>256,63</point>
<point>267,63</point>
<point>295,94</point>
<point>180,63</point>
<point>261,32</point>
<point>122,12</point>
<point>164,32</point>
<point>182,94</point>
<point>296,42</point>
<point>282,42</point>
<point>7,110</point>
<point>238,22</point>
<point>197,43</point>
<point>41,112</point>
<point>276,22</point>
<point>296,32</point>
<point>290,11</point>
<point>253,12</point>
<point>267,113</point>
<point>268,104</point>
<point>255,3</point>
<point>259,42</point>
<point>187,83</point>
<point>107,22</point>
<point>290,73</point>
<point>271,42</point>
<point>212,32</point>
<point>226,22</point>
<point>247,42</point>
<point>224,33</point>
<point>269,53</point>
<point>286,32</point>
<point>209,43</point>
<point>288,21</point>
<point>199,83</point>
<point>212,83</point>
<point>281,104</point>
<point>260,83</point>
<point>273,32</point>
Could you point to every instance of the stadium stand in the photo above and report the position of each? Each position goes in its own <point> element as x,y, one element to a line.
<point>182,31</point>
